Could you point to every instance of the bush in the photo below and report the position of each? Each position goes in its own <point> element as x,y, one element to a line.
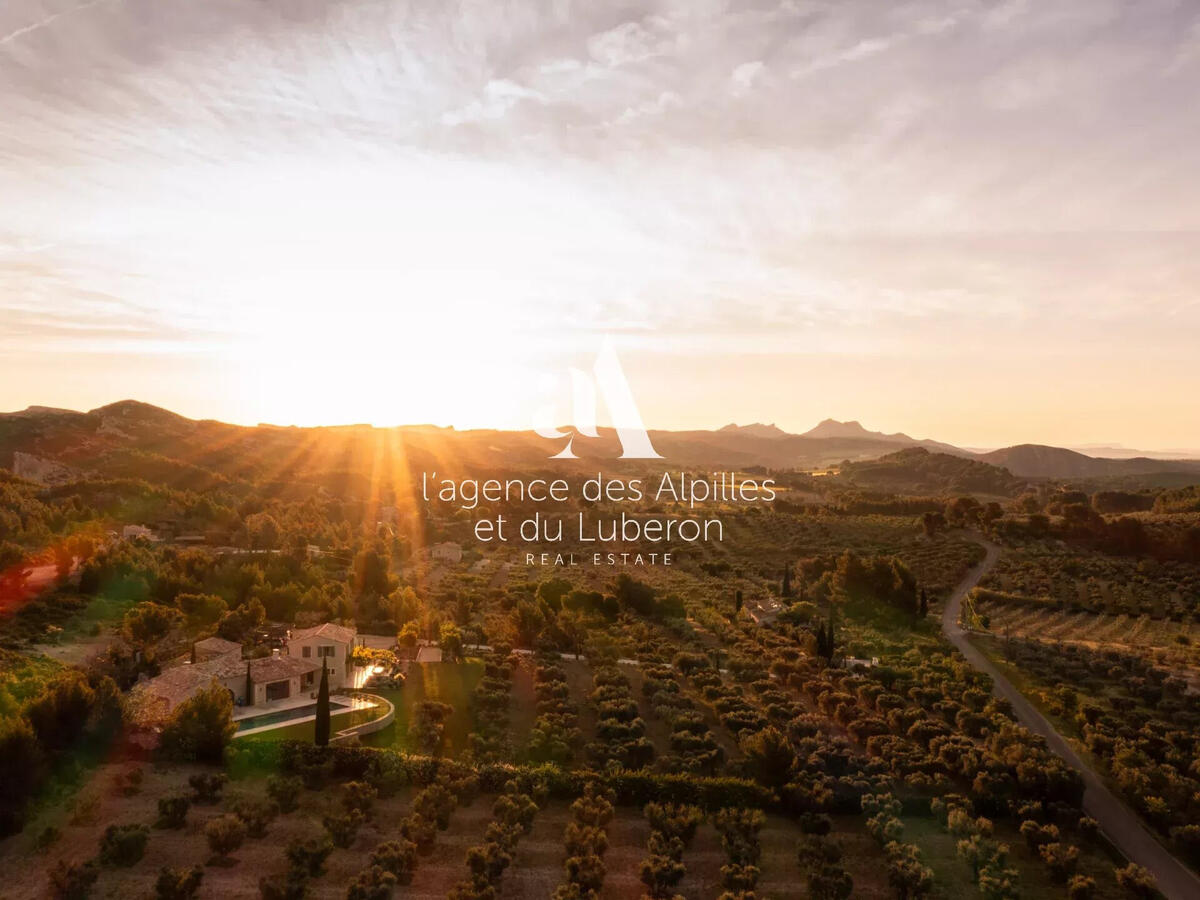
<point>224,834</point>
<point>293,886</point>
<point>73,881</point>
<point>1062,859</point>
<point>769,757</point>
<point>172,811</point>
<point>255,814</point>
<point>398,857</point>
<point>343,829</point>
<point>20,774</point>
<point>660,874</point>
<point>674,820</point>
<point>207,786</point>
<point>359,796</point>
<point>123,845</point>
<point>307,857</point>
<point>285,791</point>
<point>1081,887</point>
<point>372,884</point>
<point>1136,881</point>
<point>200,728</point>
<point>177,884</point>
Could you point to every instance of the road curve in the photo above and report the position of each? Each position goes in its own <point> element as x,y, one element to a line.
<point>1118,822</point>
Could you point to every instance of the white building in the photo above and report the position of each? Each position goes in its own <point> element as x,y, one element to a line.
<point>326,643</point>
<point>129,532</point>
<point>446,552</point>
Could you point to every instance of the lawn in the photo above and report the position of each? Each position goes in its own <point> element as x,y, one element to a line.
<point>451,683</point>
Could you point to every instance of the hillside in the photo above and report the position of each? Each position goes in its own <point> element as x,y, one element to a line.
<point>1038,461</point>
<point>129,439</point>
<point>916,470</point>
<point>854,430</point>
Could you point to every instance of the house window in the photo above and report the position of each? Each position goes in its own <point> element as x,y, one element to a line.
<point>327,651</point>
<point>306,652</point>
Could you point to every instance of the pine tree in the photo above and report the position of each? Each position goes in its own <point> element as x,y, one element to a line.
<point>321,725</point>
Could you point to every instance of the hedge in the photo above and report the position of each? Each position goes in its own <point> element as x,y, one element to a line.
<point>630,788</point>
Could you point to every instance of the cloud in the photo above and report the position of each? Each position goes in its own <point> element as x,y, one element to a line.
<point>744,76</point>
<point>499,96</point>
<point>234,165</point>
<point>629,42</point>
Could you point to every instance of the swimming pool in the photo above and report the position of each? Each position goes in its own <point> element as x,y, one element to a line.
<point>283,716</point>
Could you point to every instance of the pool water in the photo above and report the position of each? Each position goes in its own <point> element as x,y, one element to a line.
<point>289,715</point>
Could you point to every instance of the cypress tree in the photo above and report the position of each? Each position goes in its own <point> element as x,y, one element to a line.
<point>924,604</point>
<point>321,725</point>
<point>249,686</point>
<point>787,581</point>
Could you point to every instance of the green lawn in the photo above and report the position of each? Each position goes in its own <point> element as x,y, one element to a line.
<point>451,683</point>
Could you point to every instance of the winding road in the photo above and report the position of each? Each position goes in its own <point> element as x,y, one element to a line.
<point>1118,822</point>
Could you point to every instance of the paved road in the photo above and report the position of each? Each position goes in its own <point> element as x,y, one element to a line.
<point>1118,822</point>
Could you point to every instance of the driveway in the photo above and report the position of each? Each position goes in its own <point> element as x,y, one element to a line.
<point>1118,822</point>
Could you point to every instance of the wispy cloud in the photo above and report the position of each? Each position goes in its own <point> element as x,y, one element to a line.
<point>742,174</point>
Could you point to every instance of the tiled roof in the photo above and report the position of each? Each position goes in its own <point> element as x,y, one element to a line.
<point>178,684</point>
<point>265,668</point>
<point>329,630</point>
<point>217,646</point>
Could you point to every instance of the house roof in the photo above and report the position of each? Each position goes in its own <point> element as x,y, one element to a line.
<point>217,646</point>
<point>175,685</point>
<point>329,630</point>
<point>265,668</point>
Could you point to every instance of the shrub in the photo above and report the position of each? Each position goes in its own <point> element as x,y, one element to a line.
<point>177,884</point>
<point>207,786</point>
<point>1060,858</point>
<point>307,857</point>
<point>293,886</point>
<point>1080,887</point>
<point>372,884</point>
<point>830,883</point>
<point>674,820</point>
<point>285,791</point>
<point>343,829</point>
<point>587,872</point>
<point>200,728</point>
<point>421,830</point>
<point>660,874</point>
<point>20,774</point>
<point>224,834</point>
<point>73,881</point>
<point>769,757</point>
<point>123,845</point>
<point>360,796</point>
<point>1136,881</point>
<point>172,811</point>
<point>398,857</point>
<point>255,814</point>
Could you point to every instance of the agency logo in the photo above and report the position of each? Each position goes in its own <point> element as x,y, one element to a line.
<point>607,382</point>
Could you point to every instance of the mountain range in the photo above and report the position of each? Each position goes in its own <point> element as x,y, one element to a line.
<point>130,439</point>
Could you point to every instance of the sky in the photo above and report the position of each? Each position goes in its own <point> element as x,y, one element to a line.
<point>973,221</point>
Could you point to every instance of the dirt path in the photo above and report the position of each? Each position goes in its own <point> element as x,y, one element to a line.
<point>1118,822</point>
